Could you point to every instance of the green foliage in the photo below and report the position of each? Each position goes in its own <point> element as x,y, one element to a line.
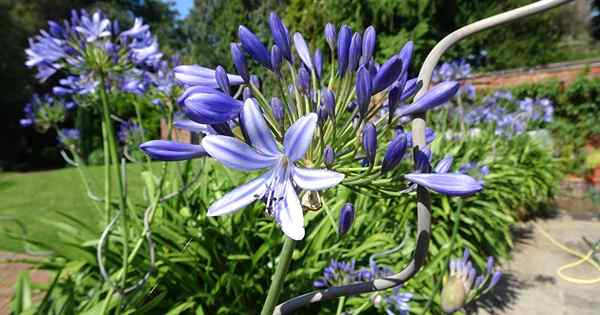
<point>223,265</point>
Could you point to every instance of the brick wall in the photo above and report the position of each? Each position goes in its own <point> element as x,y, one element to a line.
<point>566,72</point>
<point>178,135</point>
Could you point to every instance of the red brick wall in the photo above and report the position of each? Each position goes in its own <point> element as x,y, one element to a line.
<point>565,72</point>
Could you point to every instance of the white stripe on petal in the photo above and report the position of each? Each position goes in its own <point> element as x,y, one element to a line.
<point>316,179</point>
<point>256,128</point>
<point>240,197</point>
<point>299,136</point>
<point>235,154</point>
<point>290,214</point>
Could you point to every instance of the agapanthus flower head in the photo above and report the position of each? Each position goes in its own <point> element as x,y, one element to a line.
<point>463,285</point>
<point>337,273</point>
<point>68,136</point>
<point>130,132</point>
<point>397,302</point>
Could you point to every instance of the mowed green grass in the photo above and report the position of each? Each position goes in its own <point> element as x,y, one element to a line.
<point>28,200</point>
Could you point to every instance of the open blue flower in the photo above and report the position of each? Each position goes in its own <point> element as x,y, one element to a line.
<point>277,186</point>
<point>94,28</point>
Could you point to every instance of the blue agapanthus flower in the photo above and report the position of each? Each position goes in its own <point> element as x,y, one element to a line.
<point>277,186</point>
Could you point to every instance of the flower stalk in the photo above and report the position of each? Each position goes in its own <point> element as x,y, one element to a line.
<point>278,279</point>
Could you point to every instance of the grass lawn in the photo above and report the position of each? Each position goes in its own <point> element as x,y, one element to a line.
<point>34,197</point>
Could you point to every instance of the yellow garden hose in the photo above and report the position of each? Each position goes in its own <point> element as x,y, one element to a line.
<point>583,259</point>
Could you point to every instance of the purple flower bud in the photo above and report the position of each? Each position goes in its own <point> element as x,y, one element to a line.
<point>490,265</point>
<point>484,170</point>
<point>255,81</point>
<point>479,281</point>
<point>318,62</point>
<point>246,93</point>
<point>369,140</point>
<point>192,90</point>
<point>276,58</point>
<point>222,80</point>
<point>438,95</point>
<point>368,44</point>
<point>422,160</point>
<point>444,165</point>
<point>322,114</point>
<point>466,256</point>
<point>406,55</point>
<point>346,218</point>
<point>373,67</point>
<point>320,283</point>
<point>116,27</point>
<point>364,89</point>
<point>280,35</point>
<point>303,51</point>
<point>211,108</point>
<point>330,35</point>
<point>495,279</point>
<point>277,108</point>
<point>410,88</point>
<point>328,99</point>
<point>254,47</point>
<point>354,51</point>
<point>394,153</point>
<point>387,74</point>
<point>329,155</point>
<point>303,80</point>
<point>164,150</point>
<point>450,184</point>
<point>239,61</point>
<point>56,29</point>
<point>343,46</point>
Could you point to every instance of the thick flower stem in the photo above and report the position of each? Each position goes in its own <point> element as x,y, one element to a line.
<point>453,236</point>
<point>114,159</point>
<point>277,284</point>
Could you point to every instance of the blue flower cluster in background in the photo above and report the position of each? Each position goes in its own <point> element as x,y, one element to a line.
<point>510,116</point>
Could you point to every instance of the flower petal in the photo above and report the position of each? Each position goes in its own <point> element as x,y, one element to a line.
<point>303,50</point>
<point>316,179</point>
<point>235,154</point>
<point>240,197</point>
<point>192,126</point>
<point>164,150</point>
<point>290,215</point>
<point>450,184</point>
<point>299,136</point>
<point>256,128</point>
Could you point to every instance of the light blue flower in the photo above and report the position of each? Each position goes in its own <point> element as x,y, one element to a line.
<point>277,186</point>
<point>94,28</point>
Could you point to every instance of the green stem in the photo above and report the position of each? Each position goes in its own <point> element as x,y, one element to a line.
<point>107,175</point>
<point>138,114</point>
<point>438,283</point>
<point>282,268</point>
<point>340,307</point>
<point>112,148</point>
